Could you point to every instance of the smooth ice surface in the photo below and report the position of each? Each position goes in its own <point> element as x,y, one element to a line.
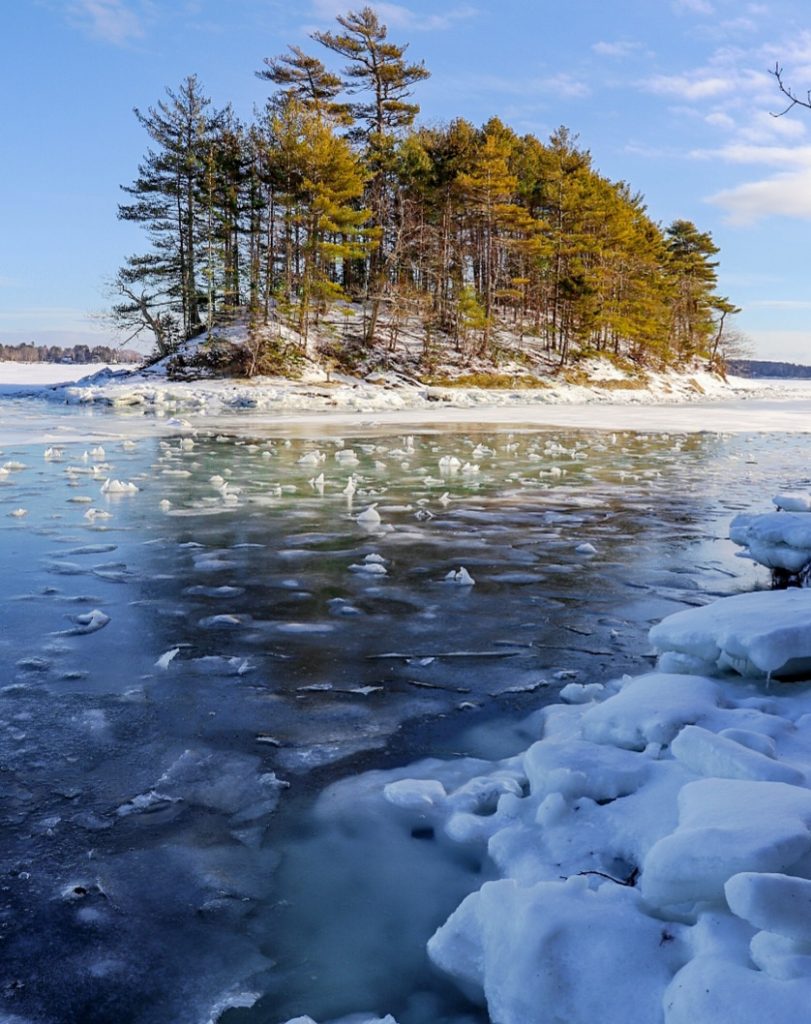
<point>758,634</point>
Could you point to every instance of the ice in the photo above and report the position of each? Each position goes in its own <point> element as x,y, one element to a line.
<point>650,709</point>
<point>725,827</point>
<point>354,1018</point>
<point>719,990</point>
<point>87,622</point>
<point>165,659</point>
<point>18,513</point>
<point>774,902</point>
<point>461,577</point>
<point>557,952</point>
<point>706,753</point>
<point>793,501</point>
<point>229,783</point>
<point>369,517</point>
<point>778,540</point>
<point>758,634</point>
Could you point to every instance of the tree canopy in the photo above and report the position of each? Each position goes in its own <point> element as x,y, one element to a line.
<point>334,191</point>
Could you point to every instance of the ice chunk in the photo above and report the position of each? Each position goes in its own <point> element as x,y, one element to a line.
<point>767,633</point>
<point>726,826</point>
<point>87,622</point>
<point>581,693</point>
<point>650,709</point>
<point>586,549</point>
<point>707,753</point>
<point>369,569</point>
<point>461,577</point>
<point>228,783</point>
<point>165,659</point>
<point>717,990</point>
<point>793,501</point>
<point>369,516</point>
<point>118,487</point>
<point>778,540</point>
<point>576,768</point>
<point>774,902</point>
<point>557,952</point>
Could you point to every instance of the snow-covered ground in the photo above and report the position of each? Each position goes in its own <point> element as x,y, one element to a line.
<point>688,402</point>
<point>16,376</point>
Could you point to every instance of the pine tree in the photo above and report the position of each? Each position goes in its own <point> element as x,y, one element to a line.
<point>166,199</point>
<point>376,67</point>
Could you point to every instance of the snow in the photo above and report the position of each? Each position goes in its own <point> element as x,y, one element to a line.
<point>778,540</point>
<point>757,634</point>
<point>16,377</point>
<point>651,848</point>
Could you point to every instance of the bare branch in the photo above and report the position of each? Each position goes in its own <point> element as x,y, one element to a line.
<point>794,100</point>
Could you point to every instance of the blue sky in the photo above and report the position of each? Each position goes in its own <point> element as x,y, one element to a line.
<point>673,96</point>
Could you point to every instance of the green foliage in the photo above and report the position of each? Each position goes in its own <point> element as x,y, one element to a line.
<point>464,234</point>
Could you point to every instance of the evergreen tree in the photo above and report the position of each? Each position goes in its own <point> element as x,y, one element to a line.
<point>166,200</point>
<point>377,67</point>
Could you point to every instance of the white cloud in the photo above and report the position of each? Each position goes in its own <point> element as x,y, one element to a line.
<point>694,85</point>
<point>400,16</point>
<point>746,153</point>
<point>718,119</point>
<point>784,195</point>
<point>111,21</point>
<point>620,48</point>
<point>693,7</point>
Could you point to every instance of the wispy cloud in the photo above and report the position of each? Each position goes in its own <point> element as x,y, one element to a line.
<point>693,7</point>
<point>110,21</point>
<point>619,48</point>
<point>743,153</point>
<point>694,85</point>
<point>783,195</point>
<point>400,16</point>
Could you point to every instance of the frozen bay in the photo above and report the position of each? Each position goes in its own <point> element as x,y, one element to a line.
<point>159,769</point>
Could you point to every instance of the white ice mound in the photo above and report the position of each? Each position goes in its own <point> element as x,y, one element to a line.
<point>793,501</point>
<point>461,577</point>
<point>369,516</point>
<point>774,902</point>
<point>767,633</point>
<point>778,540</point>
<point>118,487</point>
<point>718,990</point>
<point>546,953</point>
<point>726,826</point>
<point>650,709</point>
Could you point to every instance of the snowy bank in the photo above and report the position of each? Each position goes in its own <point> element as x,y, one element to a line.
<point>390,392</point>
<point>649,853</point>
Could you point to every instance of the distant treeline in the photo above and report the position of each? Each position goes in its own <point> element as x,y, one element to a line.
<point>30,353</point>
<point>333,192</point>
<point>767,368</point>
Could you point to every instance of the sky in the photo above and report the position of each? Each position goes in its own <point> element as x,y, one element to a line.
<point>676,97</point>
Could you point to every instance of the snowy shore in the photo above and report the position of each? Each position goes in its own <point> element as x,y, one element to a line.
<point>685,402</point>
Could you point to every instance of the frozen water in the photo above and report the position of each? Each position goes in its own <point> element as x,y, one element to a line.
<point>238,653</point>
